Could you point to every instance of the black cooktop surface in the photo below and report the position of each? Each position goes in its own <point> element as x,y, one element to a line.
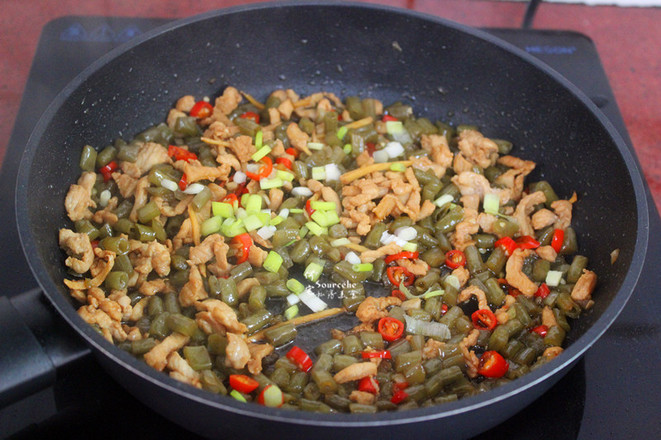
<point>612,392</point>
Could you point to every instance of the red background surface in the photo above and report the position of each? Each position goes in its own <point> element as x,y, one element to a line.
<point>627,40</point>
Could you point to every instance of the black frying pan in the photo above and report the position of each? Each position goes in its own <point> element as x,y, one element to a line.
<point>446,71</point>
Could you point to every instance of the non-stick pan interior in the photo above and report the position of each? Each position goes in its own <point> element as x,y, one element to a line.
<point>445,71</point>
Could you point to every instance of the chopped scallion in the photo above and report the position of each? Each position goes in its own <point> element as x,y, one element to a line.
<point>553,278</point>
<point>313,271</point>
<point>254,203</point>
<point>316,229</point>
<point>322,206</point>
<point>259,154</point>
<point>273,262</point>
<point>222,209</point>
<point>319,173</point>
<point>491,203</point>
<point>295,286</point>
<point>259,139</point>
<point>274,182</point>
<point>340,242</point>
<point>238,396</point>
<point>291,312</point>
<point>443,200</point>
<point>252,222</point>
<point>347,148</point>
<point>285,175</point>
<point>315,145</point>
<point>341,132</point>
<point>363,267</point>
<point>211,225</point>
<point>398,167</point>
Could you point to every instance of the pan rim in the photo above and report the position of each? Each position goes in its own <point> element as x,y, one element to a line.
<point>571,355</point>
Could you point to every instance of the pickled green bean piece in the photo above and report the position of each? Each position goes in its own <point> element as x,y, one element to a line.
<point>281,335</point>
<point>197,357</point>
<point>181,324</point>
<point>117,280</point>
<point>575,271</point>
<point>88,158</point>
<point>105,156</point>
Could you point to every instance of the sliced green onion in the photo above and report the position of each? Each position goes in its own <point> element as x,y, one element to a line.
<point>252,222</point>
<point>211,225</point>
<point>325,218</point>
<point>313,271</point>
<point>393,127</point>
<point>272,262</point>
<point>244,199</point>
<point>275,221</point>
<point>433,293</point>
<point>323,206</point>
<point>315,229</point>
<point>274,182</point>
<point>553,278</point>
<point>397,167</point>
<point>291,312</point>
<point>341,132</point>
<point>254,203</point>
<point>272,396</point>
<point>319,173</point>
<point>315,146</point>
<point>303,231</point>
<point>264,217</point>
<point>347,148</point>
<point>222,209</point>
<point>259,137</point>
<point>311,300</point>
<point>443,200</point>
<point>259,154</point>
<point>295,210</point>
<point>232,228</point>
<point>285,175</point>
<point>410,246</point>
<point>363,267</point>
<point>295,286</point>
<point>340,242</point>
<point>238,396</point>
<point>491,203</point>
<point>292,299</point>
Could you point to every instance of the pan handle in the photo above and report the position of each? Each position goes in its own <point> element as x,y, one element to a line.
<point>35,346</point>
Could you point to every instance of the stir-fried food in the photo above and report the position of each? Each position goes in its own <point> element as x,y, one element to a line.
<point>203,244</point>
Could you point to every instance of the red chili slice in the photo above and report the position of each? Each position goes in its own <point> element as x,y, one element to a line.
<point>484,319</point>
<point>284,162</point>
<point>527,242</point>
<point>243,242</point>
<point>107,170</point>
<point>376,354</point>
<point>178,153</point>
<point>399,397</point>
<point>398,294</point>
<point>506,244</point>
<point>292,152</point>
<point>250,115</point>
<point>492,364</point>
<point>300,358</point>
<point>231,198</point>
<point>399,274</point>
<point>201,109</point>
<point>558,239</point>
<point>243,383</point>
<point>371,147</point>
<point>308,207</point>
<point>406,255</point>
<point>543,291</point>
<point>183,182</point>
<point>271,396</point>
<point>541,330</point>
<point>264,171</point>
<point>455,258</point>
<point>391,328</point>
<point>444,309</point>
<point>387,118</point>
<point>369,385</point>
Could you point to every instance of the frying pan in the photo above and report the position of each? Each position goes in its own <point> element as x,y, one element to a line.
<point>445,70</point>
